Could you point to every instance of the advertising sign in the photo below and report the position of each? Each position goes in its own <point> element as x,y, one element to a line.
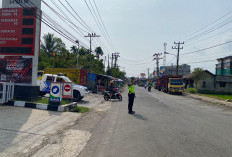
<point>142,75</point>
<point>16,69</point>
<point>20,3</point>
<point>17,31</point>
<point>55,92</point>
<point>67,90</point>
<point>20,31</point>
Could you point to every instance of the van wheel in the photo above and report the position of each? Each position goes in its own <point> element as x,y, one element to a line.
<point>76,96</point>
<point>42,93</point>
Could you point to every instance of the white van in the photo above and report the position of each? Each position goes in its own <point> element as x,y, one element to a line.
<point>79,92</point>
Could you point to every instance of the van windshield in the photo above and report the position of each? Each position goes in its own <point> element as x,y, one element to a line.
<point>176,81</point>
<point>67,79</point>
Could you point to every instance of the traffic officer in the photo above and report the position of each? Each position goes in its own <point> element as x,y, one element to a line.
<point>131,95</point>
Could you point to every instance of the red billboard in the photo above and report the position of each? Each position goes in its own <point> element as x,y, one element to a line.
<point>17,31</point>
<point>142,74</point>
<point>16,69</point>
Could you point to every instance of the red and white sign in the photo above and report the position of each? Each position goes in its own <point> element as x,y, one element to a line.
<point>67,90</point>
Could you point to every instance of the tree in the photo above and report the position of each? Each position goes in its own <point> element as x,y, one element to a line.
<point>82,51</point>
<point>115,72</point>
<point>197,75</point>
<point>74,49</point>
<point>49,44</point>
<point>98,52</point>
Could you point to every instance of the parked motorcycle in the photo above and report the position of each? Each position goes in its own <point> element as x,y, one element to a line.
<point>116,95</point>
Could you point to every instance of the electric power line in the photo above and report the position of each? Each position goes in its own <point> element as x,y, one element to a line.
<point>209,37</point>
<point>46,22</point>
<point>209,31</point>
<point>103,23</point>
<point>207,48</point>
<point>96,20</point>
<point>202,28</point>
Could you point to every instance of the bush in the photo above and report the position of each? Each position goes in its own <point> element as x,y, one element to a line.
<point>192,90</point>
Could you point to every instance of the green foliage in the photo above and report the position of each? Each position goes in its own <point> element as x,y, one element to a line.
<point>192,90</point>
<point>65,58</point>
<point>50,44</point>
<point>98,52</point>
<point>115,72</point>
<point>219,96</point>
<point>81,109</point>
<point>68,58</point>
<point>82,51</point>
<point>74,49</point>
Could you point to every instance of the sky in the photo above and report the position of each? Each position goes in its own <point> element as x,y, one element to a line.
<point>138,29</point>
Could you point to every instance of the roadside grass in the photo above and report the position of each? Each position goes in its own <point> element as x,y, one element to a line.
<point>218,96</point>
<point>192,90</point>
<point>211,95</point>
<point>45,101</point>
<point>81,109</point>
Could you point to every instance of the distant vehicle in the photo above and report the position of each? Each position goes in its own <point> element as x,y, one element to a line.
<point>170,84</point>
<point>141,82</point>
<point>79,92</point>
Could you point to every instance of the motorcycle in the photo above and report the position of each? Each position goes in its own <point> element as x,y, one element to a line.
<point>149,88</point>
<point>116,95</point>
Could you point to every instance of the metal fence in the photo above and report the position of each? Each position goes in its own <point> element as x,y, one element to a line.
<point>6,91</point>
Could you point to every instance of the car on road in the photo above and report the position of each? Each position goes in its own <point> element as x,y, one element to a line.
<point>79,92</point>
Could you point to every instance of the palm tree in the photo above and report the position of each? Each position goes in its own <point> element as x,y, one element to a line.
<point>98,52</point>
<point>74,49</point>
<point>50,44</point>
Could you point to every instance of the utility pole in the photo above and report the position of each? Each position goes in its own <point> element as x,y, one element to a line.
<point>91,36</point>
<point>178,54</point>
<point>116,55</point>
<point>164,58</point>
<point>148,69</point>
<point>105,63</point>
<point>112,60</point>
<point>108,61</point>
<point>157,58</point>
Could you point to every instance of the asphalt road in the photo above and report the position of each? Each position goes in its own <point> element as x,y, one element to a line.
<point>26,132</point>
<point>163,126</point>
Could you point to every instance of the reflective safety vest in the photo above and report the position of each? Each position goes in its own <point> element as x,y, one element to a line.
<point>131,89</point>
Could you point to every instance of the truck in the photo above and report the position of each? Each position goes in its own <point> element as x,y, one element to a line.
<point>79,92</point>
<point>170,84</point>
<point>157,85</point>
<point>141,82</point>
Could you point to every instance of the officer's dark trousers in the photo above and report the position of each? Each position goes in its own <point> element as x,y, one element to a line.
<point>131,101</point>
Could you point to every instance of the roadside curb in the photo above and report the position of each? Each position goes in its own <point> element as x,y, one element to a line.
<point>60,108</point>
<point>211,100</point>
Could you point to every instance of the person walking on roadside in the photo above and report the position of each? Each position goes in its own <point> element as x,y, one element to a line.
<point>131,96</point>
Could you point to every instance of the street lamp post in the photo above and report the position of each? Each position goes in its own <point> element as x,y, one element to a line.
<point>173,55</point>
<point>77,41</point>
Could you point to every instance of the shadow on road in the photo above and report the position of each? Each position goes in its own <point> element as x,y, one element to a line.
<point>140,117</point>
<point>82,102</point>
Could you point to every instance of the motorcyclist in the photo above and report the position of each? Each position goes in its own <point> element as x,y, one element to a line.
<point>112,91</point>
<point>149,86</point>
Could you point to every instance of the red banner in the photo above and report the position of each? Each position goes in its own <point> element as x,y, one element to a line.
<point>16,69</point>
